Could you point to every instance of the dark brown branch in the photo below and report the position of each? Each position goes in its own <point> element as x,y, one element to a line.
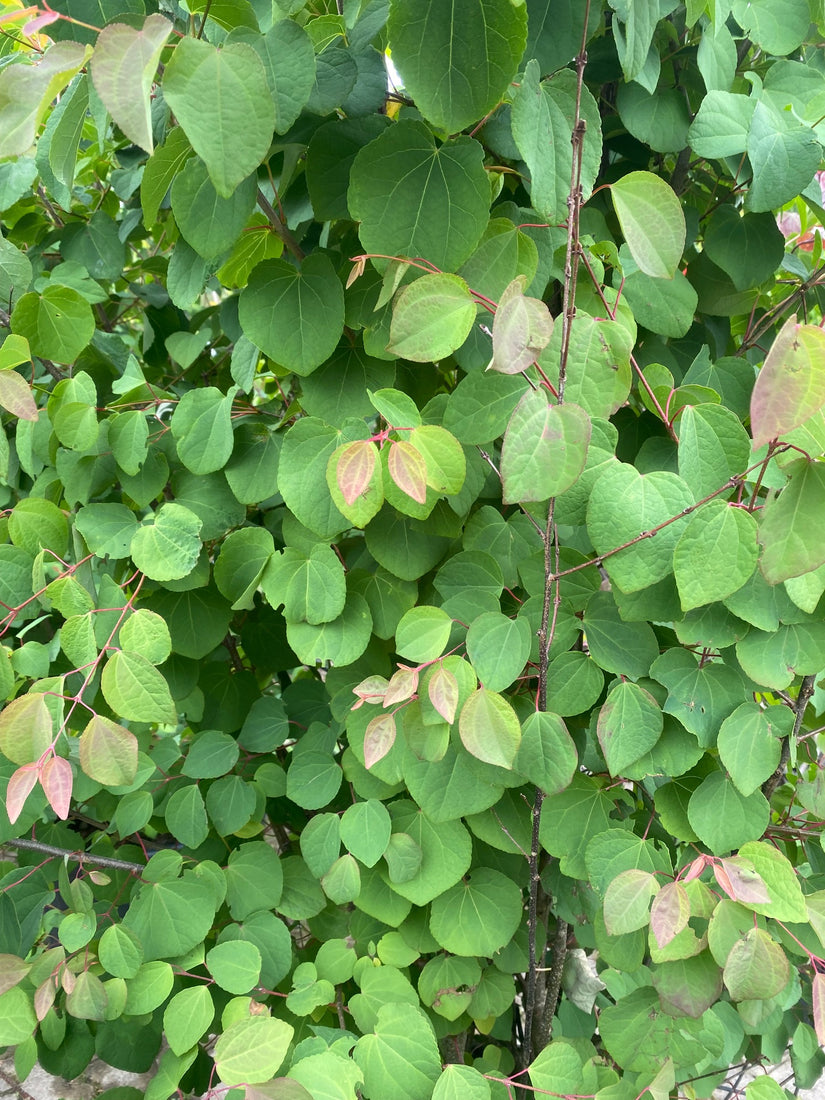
<point>279,227</point>
<point>806,690</point>
<point>544,1028</point>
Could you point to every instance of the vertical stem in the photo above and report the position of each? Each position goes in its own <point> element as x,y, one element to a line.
<point>541,994</point>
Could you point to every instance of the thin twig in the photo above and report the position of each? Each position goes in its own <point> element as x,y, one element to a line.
<point>78,856</point>
<point>806,690</point>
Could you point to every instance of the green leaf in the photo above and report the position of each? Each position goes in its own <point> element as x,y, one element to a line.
<point>235,965</point>
<point>749,744</point>
<point>170,918</point>
<point>456,62</point>
<point>311,586</point>
<point>546,753</point>
<point>776,871</point>
<point>108,752</point>
<point>135,690</point>
<point>295,315</point>
<point>757,967</point>
<point>720,128</point>
<point>713,446</point>
<point>598,365</point>
<point>241,563</point>
<point>123,69</point>
<point>185,816</point>
<point>230,803</point>
<point>460,1082</point>
<point>629,725</point>
<point>27,90</point>
<point>480,406</point>
<point>790,387</point>
<point>627,901</point>
<point>187,1017</point>
<point>422,633</point>
<point>723,818</point>
<point>208,221</point>
<point>789,528</point>
<point>574,683</point>
<point>702,695</point>
<point>25,728</point>
<point>365,830</point>
<point>543,116</point>
<point>252,1050</point>
<point>545,448</point>
<point>58,323</point>
<point>489,728</point>
<point>715,555</point>
<point>120,951</point>
<point>659,119</point>
<point>233,134</point>
<point>778,30</point>
<point>557,1068</point>
<point>625,504</point>
<point>776,659</point>
<point>498,648</point>
<point>15,277</point>
<point>401,1057</point>
<point>289,64</point>
<point>168,547</point>
<point>479,915</point>
<point>254,880</point>
<point>783,154</point>
<point>431,318</point>
<point>749,247</point>
<point>414,198</point>
<point>340,641</point>
<point>651,219</point>
<point>617,646</point>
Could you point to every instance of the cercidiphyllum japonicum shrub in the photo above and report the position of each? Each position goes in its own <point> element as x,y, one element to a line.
<point>413,545</point>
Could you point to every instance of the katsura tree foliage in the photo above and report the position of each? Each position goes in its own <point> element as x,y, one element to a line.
<point>412,548</point>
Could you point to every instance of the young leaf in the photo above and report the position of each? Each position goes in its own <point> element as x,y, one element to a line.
<point>20,786</point>
<point>56,780</point>
<point>669,913</point>
<point>790,387</point>
<point>442,689</point>
<point>379,738</point>
<point>544,450</point>
<point>25,728</point>
<point>627,901</point>
<point>354,465</point>
<point>408,469</point>
<point>108,752</point>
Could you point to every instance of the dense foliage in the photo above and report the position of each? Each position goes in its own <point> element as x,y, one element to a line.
<point>412,552</point>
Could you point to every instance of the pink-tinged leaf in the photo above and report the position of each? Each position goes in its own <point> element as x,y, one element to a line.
<point>443,692</point>
<point>408,470</point>
<point>124,66</point>
<point>20,787</point>
<point>695,869</point>
<point>56,780</point>
<point>108,752</point>
<point>370,690</point>
<point>99,879</point>
<point>36,25</point>
<point>489,728</point>
<point>740,881</point>
<point>379,738</point>
<point>818,999</point>
<point>403,685</point>
<point>669,912</point>
<point>16,396</point>
<point>13,970</point>
<point>522,327</point>
<point>355,468</point>
<point>790,387</point>
<point>44,997</point>
<point>17,13</point>
<point>25,728</point>
<point>627,901</point>
<point>67,979</point>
